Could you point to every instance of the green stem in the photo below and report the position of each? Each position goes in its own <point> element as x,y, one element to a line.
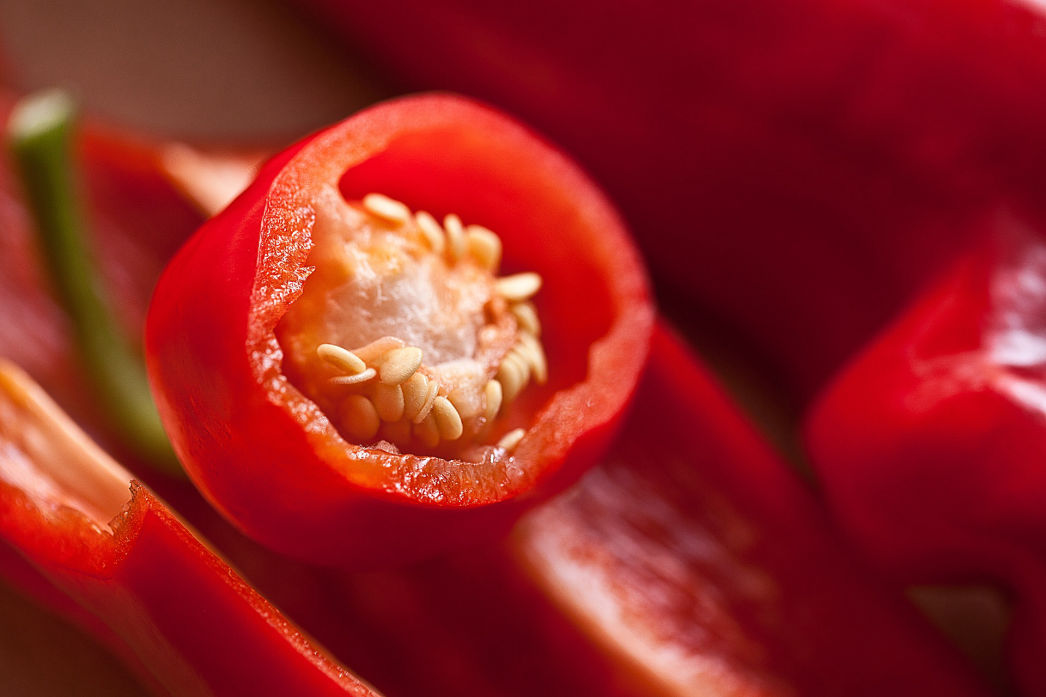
<point>40,133</point>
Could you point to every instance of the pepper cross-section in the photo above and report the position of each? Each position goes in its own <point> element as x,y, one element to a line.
<point>413,326</point>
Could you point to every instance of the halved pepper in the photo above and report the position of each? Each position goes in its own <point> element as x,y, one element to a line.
<point>695,557</point>
<point>350,380</point>
<point>930,443</point>
<point>96,540</point>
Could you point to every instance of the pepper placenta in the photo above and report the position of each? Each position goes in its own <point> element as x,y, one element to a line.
<point>930,444</point>
<point>695,557</point>
<point>153,591</point>
<point>346,378</point>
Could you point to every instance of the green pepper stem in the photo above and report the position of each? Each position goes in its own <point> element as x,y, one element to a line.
<point>40,133</point>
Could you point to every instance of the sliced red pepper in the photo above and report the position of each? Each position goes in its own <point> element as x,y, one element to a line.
<point>696,557</point>
<point>278,423</point>
<point>930,444</point>
<point>794,167</point>
<point>162,598</point>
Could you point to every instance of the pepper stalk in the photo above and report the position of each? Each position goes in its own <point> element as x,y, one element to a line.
<point>39,135</point>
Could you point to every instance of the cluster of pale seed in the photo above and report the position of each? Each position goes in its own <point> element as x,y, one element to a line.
<point>392,394</point>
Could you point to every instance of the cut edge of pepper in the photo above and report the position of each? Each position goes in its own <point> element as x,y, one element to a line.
<point>61,487</point>
<point>620,350</point>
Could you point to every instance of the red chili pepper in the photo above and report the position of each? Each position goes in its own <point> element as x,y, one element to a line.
<point>780,162</point>
<point>930,443</point>
<point>695,556</point>
<point>264,420</point>
<point>162,598</point>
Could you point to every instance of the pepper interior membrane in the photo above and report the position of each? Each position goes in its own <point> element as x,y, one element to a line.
<point>60,485</point>
<point>592,289</point>
<point>251,326</point>
<point>405,336</point>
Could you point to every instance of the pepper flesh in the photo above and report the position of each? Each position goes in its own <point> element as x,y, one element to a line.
<point>695,557</point>
<point>269,459</point>
<point>930,444</point>
<point>161,597</point>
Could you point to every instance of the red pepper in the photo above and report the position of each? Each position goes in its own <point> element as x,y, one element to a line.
<point>695,555</point>
<point>270,458</point>
<point>930,443</point>
<point>162,598</point>
<point>780,162</point>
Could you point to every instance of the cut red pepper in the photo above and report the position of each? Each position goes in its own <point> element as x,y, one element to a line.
<point>930,444</point>
<point>794,167</point>
<point>288,432</point>
<point>695,556</point>
<point>162,598</point>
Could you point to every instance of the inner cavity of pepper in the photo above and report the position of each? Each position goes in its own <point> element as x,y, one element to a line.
<point>406,336</point>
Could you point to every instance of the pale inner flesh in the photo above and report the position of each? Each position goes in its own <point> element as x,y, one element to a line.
<point>404,335</point>
<point>44,454</point>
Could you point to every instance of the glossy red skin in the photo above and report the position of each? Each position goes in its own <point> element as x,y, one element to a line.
<point>270,460</point>
<point>695,539</point>
<point>762,151</point>
<point>929,445</point>
<point>168,603</point>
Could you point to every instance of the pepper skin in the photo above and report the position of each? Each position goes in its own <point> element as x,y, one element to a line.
<point>694,556</point>
<point>930,444</point>
<point>163,599</point>
<point>763,151</point>
<point>269,459</point>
